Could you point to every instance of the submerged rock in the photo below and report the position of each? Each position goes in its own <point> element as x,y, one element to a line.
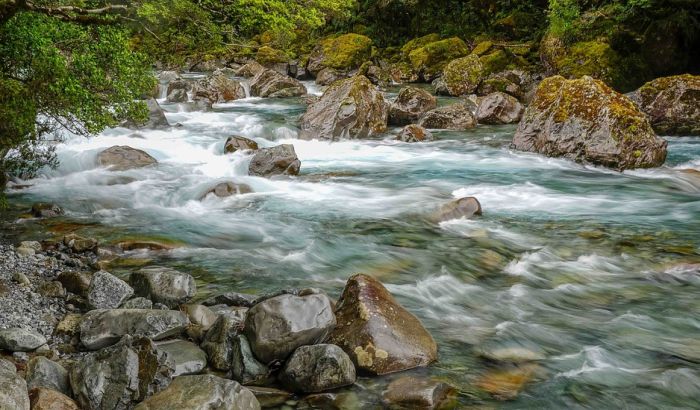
<point>106,291</point>
<point>410,104</point>
<point>104,327</point>
<point>378,334</point>
<point>349,109</point>
<point>203,392</point>
<point>414,133</point>
<point>237,143</point>
<point>587,121</point>
<point>499,108</point>
<point>16,339</point>
<point>271,84</point>
<point>317,368</point>
<point>227,189</point>
<point>163,285</point>
<point>269,397</point>
<point>279,325</point>
<point>278,160</point>
<point>44,373</point>
<point>13,388</point>
<point>418,393</point>
<point>456,117</point>
<point>506,383</point>
<point>46,210</point>
<point>672,104</point>
<point>122,158</point>
<point>459,208</point>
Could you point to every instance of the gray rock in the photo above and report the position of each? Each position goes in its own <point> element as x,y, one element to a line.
<point>107,291</point>
<point>415,133</point>
<point>46,210</point>
<point>24,251</point>
<point>271,84</point>
<point>328,76</point>
<point>122,157</point>
<point>185,357</point>
<point>410,104</point>
<point>42,372</point>
<point>31,244</point>
<point>202,392</point>
<point>20,340</point>
<point>21,278</point>
<point>245,368</point>
<point>250,69</point>
<point>460,208</point>
<point>416,393</point>
<point>499,108</point>
<point>156,117</point>
<point>456,117</point>
<point>231,299</point>
<point>137,303</point>
<point>279,160</point>
<point>317,368</point>
<point>671,103</point>
<point>163,285</point>
<point>177,91</point>
<point>269,397</point>
<point>278,326</point>
<point>13,388</point>
<point>120,376</point>
<point>227,189</point>
<point>217,89</point>
<point>235,143</point>
<point>200,315</point>
<point>104,327</point>
<point>218,342</point>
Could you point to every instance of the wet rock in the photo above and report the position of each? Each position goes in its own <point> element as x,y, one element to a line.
<point>218,342</point>
<point>231,299</point>
<point>328,76</point>
<point>16,339</point>
<point>104,327</point>
<point>418,393</point>
<point>227,189</point>
<point>46,210</point>
<point>200,315</point>
<point>217,89</point>
<point>517,83</point>
<point>378,334</point>
<point>344,53</point>
<point>48,399</point>
<point>511,354</point>
<point>185,357</point>
<point>42,372</point>
<point>121,158</point>
<point>349,109</point>
<point>506,383</point>
<point>168,76</point>
<point>79,244</point>
<point>13,388</point>
<point>587,121</point>
<point>331,401</point>
<point>107,291</point>
<point>156,117</point>
<point>499,108</point>
<point>317,368</point>
<point>245,368</point>
<point>461,76</point>
<point>137,303</point>
<point>177,91</point>
<point>120,376</point>
<point>672,104</point>
<point>415,133</point>
<point>278,160</point>
<point>466,207</point>
<point>277,326</point>
<point>235,143</point>
<point>410,104</point>
<point>75,282</point>
<point>250,69</point>
<point>456,117</point>
<point>163,285</point>
<point>271,84</point>
<point>269,397</point>
<point>202,392</point>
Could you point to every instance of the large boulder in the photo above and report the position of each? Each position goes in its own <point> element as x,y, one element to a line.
<point>48,399</point>
<point>42,372</point>
<point>107,291</point>
<point>177,91</point>
<point>461,76</point>
<point>122,157</point>
<point>457,117</point>
<point>414,133</point>
<point>237,143</point>
<point>250,69</point>
<point>378,334</point>
<point>499,108</point>
<point>587,121</point>
<point>104,327</point>
<point>202,392</point>
<point>328,76</point>
<point>317,368</point>
<point>344,52</point>
<point>517,83</point>
<point>278,160</point>
<point>429,59</point>
<point>120,376</point>
<point>16,339</point>
<point>13,388</point>
<point>410,104</point>
<point>163,285</point>
<point>217,89</point>
<point>350,108</point>
<point>672,104</point>
<point>279,325</point>
<point>156,118</point>
<point>269,83</point>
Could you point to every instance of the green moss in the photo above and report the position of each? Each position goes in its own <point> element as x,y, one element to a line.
<point>268,55</point>
<point>494,62</point>
<point>418,43</point>
<point>497,84</point>
<point>482,48</point>
<point>346,51</point>
<point>433,57</point>
<point>463,75</point>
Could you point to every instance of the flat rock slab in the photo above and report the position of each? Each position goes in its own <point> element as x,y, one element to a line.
<point>163,285</point>
<point>185,357</point>
<point>104,327</point>
<point>20,340</point>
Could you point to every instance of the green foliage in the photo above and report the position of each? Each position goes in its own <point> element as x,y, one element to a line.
<point>432,57</point>
<point>563,15</point>
<point>346,51</point>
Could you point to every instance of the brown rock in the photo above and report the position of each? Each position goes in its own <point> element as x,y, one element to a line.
<point>672,104</point>
<point>236,142</point>
<point>459,208</point>
<point>378,334</point>
<point>416,393</point>
<point>75,282</point>
<point>456,117</point>
<point>217,89</point>
<point>47,399</point>
<point>278,160</point>
<point>226,189</point>
<point>414,133</point>
<point>271,84</point>
<point>250,69</point>
<point>505,384</point>
<point>499,108</point>
<point>121,158</point>
<point>410,104</point>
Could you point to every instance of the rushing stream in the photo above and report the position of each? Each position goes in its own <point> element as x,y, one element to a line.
<point>577,264</point>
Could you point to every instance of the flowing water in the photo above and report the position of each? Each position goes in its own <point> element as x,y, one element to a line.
<point>577,264</point>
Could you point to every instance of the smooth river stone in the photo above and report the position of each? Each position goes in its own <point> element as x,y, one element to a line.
<point>104,327</point>
<point>202,392</point>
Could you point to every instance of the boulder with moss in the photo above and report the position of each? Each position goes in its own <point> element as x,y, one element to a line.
<point>271,84</point>
<point>418,43</point>
<point>410,104</point>
<point>349,109</point>
<point>587,121</point>
<point>272,58</point>
<point>345,52</point>
<point>672,104</point>
<point>430,59</point>
<point>461,76</point>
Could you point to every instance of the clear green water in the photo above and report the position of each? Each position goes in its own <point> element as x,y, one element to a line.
<point>573,262</point>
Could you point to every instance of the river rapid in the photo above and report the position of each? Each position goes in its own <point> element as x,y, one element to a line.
<point>579,265</point>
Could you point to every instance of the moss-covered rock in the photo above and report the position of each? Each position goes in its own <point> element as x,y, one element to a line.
<point>672,104</point>
<point>345,52</point>
<point>456,117</point>
<point>269,56</point>
<point>482,48</point>
<point>418,43</point>
<point>403,72</point>
<point>430,59</point>
<point>587,121</point>
<point>461,76</point>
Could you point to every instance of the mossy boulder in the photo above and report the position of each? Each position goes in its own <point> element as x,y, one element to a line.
<point>418,43</point>
<point>345,52</point>
<point>461,76</point>
<point>430,59</point>
<point>269,56</point>
<point>350,108</point>
<point>587,121</point>
<point>403,72</point>
<point>672,104</point>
